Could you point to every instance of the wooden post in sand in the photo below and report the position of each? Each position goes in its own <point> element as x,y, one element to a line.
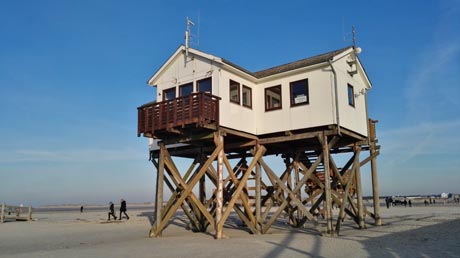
<point>375,185</point>
<point>2,214</point>
<point>219,140</point>
<point>159,194</point>
<point>327,184</point>
<point>29,215</point>
<point>359,189</point>
<point>258,196</point>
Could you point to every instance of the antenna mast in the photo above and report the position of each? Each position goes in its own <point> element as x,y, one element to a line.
<point>353,32</point>
<point>188,34</point>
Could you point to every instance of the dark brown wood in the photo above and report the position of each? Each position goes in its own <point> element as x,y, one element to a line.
<point>197,109</point>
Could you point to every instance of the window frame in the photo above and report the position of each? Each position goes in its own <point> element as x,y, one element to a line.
<point>250,97</point>
<point>267,108</point>
<point>165,91</point>
<point>182,86</point>
<point>202,80</point>
<point>351,101</point>
<point>237,84</point>
<point>292,99</point>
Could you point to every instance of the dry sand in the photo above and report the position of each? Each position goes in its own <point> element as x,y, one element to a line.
<point>419,231</point>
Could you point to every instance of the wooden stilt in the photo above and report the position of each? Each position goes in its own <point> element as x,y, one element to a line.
<point>220,187</point>
<point>375,185</point>
<point>159,193</point>
<point>327,184</point>
<point>359,190</point>
<point>258,196</point>
<point>2,214</point>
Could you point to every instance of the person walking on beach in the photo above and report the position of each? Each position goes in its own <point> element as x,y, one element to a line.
<point>81,209</point>
<point>112,211</point>
<point>123,208</point>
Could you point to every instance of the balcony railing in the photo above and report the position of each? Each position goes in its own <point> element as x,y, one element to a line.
<point>199,109</point>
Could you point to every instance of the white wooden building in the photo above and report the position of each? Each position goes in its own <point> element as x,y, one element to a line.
<point>323,90</point>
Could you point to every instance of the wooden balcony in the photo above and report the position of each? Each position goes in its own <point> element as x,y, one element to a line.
<point>197,110</point>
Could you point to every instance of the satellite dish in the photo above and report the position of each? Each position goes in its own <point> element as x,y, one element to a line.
<point>358,50</point>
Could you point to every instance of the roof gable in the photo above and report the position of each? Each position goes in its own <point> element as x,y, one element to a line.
<point>318,59</point>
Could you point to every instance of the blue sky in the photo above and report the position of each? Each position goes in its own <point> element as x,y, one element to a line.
<point>73,72</point>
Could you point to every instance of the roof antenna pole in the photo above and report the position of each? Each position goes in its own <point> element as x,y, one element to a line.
<point>188,35</point>
<point>353,32</point>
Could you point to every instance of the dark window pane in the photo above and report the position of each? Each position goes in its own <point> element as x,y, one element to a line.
<point>351,96</point>
<point>205,85</point>
<point>186,89</point>
<point>273,98</point>
<point>299,92</point>
<point>234,92</point>
<point>247,97</point>
<point>169,94</point>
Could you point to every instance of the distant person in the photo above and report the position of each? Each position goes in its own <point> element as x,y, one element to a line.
<point>430,201</point>
<point>426,203</point>
<point>434,201</point>
<point>123,209</point>
<point>387,201</point>
<point>112,211</point>
<point>405,203</point>
<point>410,203</point>
<point>81,209</point>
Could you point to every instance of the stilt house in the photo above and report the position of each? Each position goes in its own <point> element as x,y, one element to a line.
<point>302,111</point>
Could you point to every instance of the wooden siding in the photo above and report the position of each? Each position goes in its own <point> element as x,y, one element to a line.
<point>199,109</point>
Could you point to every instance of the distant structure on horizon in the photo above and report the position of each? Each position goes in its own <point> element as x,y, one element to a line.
<point>212,111</point>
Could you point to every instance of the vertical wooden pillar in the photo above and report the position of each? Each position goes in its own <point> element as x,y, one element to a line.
<point>159,193</point>
<point>258,196</point>
<point>2,214</point>
<point>219,139</point>
<point>29,215</point>
<point>202,194</point>
<point>359,189</point>
<point>375,187</point>
<point>327,184</point>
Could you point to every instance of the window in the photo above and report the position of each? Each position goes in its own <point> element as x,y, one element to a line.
<point>185,89</point>
<point>234,92</point>
<point>299,93</point>
<point>273,98</point>
<point>247,97</point>
<point>351,96</point>
<point>169,94</point>
<point>205,85</point>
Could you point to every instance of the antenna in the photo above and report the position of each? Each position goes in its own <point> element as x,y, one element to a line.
<point>188,34</point>
<point>353,32</point>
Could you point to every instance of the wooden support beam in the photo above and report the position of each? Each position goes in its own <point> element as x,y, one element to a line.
<point>258,155</point>
<point>188,189</point>
<point>219,140</point>
<point>375,186</point>
<point>280,183</point>
<point>159,193</point>
<point>344,202</point>
<point>327,185</point>
<point>258,196</point>
<point>288,138</point>
<point>194,201</point>
<point>359,190</point>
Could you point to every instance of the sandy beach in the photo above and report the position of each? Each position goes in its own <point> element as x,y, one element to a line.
<point>419,231</point>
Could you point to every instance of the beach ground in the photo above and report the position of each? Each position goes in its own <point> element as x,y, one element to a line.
<point>419,231</point>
